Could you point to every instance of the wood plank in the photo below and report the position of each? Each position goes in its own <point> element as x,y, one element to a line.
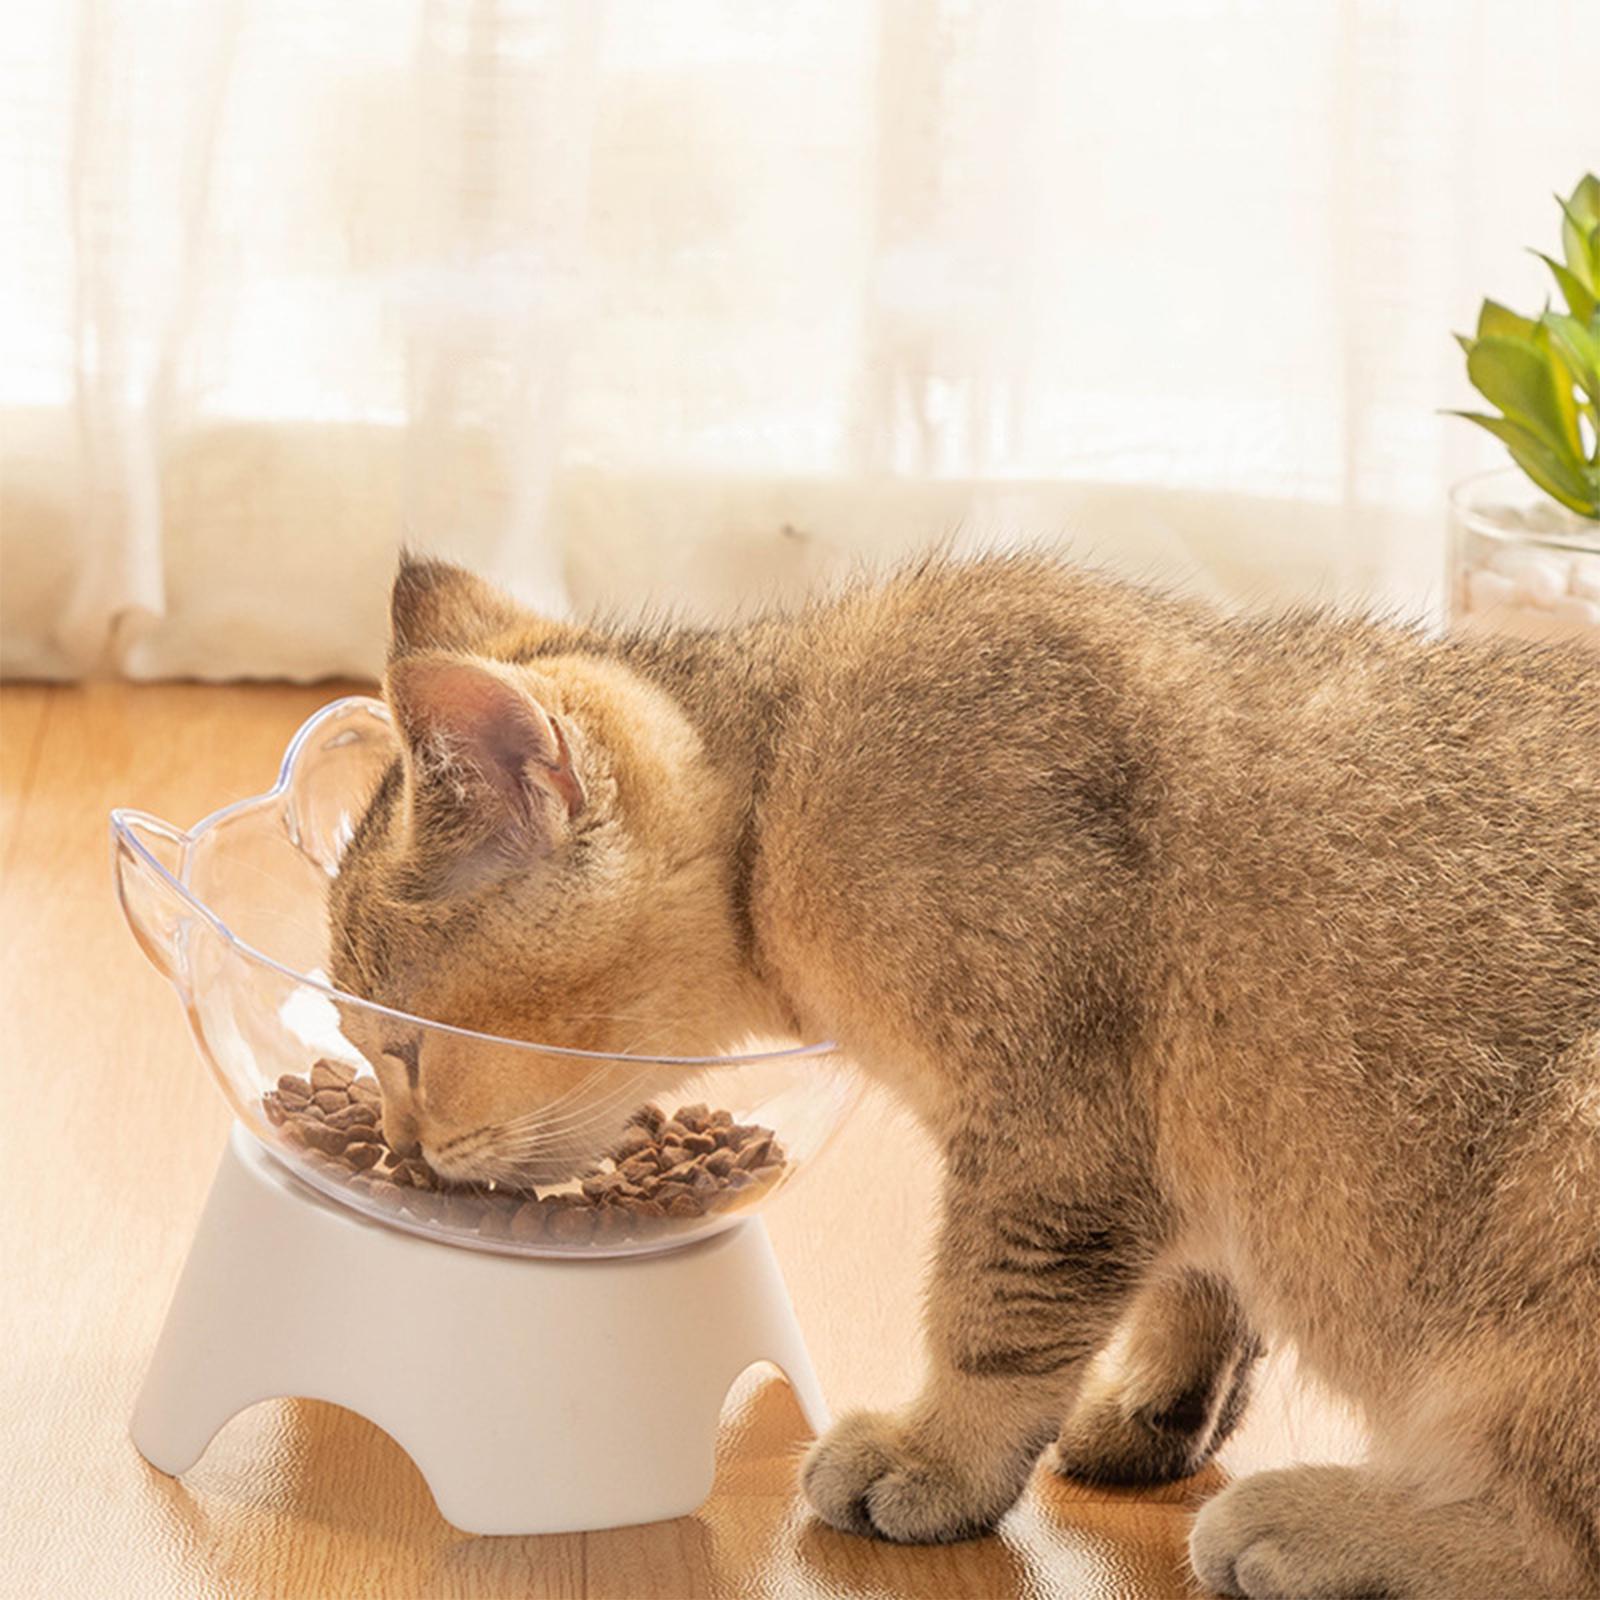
<point>23,708</point>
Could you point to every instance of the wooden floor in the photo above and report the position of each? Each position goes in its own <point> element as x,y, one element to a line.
<point>108,1135</point>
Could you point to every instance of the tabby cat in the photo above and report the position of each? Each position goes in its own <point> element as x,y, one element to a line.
<point>1247,973</point>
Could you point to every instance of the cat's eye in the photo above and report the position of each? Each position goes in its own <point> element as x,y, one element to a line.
<point>405,1051</point>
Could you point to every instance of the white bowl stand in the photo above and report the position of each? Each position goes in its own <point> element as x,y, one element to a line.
<point>535,1395</point>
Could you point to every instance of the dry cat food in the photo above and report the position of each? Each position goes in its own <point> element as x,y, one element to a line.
<point>663,1172</point>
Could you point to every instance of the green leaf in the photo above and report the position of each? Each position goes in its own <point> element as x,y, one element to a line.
<point>1576,489</point>
<point>1579,348</point>
<point>1519,377</point>
<point>1544,373</point>
<point>1580,301</point>
<point>1563,385</point>
<point>1585,200</point>
<point>1496,321</point>
<point>1580,242</point>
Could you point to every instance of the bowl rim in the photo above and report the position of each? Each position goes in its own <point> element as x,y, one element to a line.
<point>128,821</point>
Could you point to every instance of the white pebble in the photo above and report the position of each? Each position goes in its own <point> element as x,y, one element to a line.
<point>1584,579</point>
<point>1487,590</point>
<point>1540,579</point>
<point>1573,608</point>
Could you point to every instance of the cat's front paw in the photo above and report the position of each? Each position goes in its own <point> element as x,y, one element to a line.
<point>864,1477</point>
<point>1296,1534</point>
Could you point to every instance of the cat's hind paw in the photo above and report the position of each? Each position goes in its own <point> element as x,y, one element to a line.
<point>862,1477</point>
<point>1343,1533</point>
<point>1101,1443</point>
<point>1283,1536</point>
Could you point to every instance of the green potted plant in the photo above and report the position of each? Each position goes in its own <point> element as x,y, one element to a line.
<point>1525,543</point>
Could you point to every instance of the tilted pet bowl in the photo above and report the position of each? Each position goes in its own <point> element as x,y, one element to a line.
<point>507,1338</point>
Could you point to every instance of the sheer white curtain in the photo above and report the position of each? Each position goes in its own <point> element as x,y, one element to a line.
<point>706,300</point>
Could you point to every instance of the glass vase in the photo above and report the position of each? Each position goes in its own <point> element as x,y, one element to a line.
<point>1521,564</point>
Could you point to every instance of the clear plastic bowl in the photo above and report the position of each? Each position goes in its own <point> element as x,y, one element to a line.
<point>234,913</point>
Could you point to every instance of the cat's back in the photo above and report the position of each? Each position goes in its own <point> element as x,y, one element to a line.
<point>1018,778</point>
<point>1025,692</point>
<point>1409,738</point>
<point>1411,827</point>
<point>1012,697</point>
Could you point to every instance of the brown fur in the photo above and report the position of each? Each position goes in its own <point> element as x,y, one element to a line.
<point>1248,973</point>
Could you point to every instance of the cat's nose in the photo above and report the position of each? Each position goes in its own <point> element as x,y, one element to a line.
<point>405,1148</point>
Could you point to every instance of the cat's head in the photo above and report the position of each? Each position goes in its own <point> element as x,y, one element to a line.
<point>543,862</point>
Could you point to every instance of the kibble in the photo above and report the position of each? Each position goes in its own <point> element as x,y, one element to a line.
<point>662,1174</point>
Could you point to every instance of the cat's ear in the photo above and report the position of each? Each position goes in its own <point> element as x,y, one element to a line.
<point>489,766</point>
<point>437,606</point>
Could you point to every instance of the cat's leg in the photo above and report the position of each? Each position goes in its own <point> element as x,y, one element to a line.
<point>1159,1400</point>
<point>1025,1289</point>
<point>1352,1533</point>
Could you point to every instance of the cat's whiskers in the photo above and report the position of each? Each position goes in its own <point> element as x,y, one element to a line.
<point>568,1097</point>
<point>549,1132</point>
<point>540,1131</point>
<point>583,1137</point>
<point>615,1016</point>
<point>543,1115</point>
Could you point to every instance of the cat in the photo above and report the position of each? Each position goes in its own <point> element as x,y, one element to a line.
<point>1246,971</point>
